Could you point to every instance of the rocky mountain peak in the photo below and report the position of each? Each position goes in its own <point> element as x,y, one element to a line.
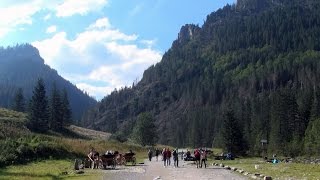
<point>187,32</point>
<point>20,52</point>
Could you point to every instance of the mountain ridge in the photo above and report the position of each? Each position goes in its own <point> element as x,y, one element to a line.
<point>238,60</point>
<point>22,65</point>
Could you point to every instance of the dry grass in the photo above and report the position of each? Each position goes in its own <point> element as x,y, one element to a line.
<point>92,134</point>
<point>6,113</point>
<point>12,124</point>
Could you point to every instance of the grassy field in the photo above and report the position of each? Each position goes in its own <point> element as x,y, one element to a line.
<point>48,169</point>
<point>276,171</point>
<point>51,155</point>
<point>54,169</point>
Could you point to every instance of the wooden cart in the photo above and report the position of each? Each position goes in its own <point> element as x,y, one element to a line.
<point>108,160</point>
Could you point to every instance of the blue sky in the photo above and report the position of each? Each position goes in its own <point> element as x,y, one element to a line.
<point>100,45</point>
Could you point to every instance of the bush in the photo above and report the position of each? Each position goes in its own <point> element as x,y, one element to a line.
<point>29,148</point>
<point>119,137</point>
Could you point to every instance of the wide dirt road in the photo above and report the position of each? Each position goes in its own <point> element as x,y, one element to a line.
<point>156,171</point>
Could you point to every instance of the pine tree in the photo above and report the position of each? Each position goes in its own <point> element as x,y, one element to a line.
<point>232,134</point>
<point>56,109</point>
<point>287,128</point>
<point>312,138</point>
<point>38,115</point>
<point>19,101</point>
<point>312,134</point>
<point>67,113</point>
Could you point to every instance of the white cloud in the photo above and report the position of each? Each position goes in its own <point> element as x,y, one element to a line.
<point>47,17</point>
<point>51,29</point>
<point>132,55</point>
<point>100,23</point>
<point>149,43</point>
<point>15,13</point>
<point>99,59</point>
<point>72,7</point>
<point>96,90</point>
<point>12,15</point>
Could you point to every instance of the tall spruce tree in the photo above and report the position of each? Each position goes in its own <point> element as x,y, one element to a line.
<point>56,109</point>
<point>312,134</point>
<point>19,101</point>
<point>67,113</point>
<point>232,135</point>
<point>38,115</point>
<point>287,128</point>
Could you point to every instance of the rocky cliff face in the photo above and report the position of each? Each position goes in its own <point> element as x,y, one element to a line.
<point>187,32</point>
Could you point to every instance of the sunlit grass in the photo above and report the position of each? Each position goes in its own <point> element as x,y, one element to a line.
<point>276,171</point>
<point>49,169</point>
<point>6,113</point>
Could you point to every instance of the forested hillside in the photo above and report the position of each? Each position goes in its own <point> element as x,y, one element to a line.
<point>256,62</point>
<point>21,67</point>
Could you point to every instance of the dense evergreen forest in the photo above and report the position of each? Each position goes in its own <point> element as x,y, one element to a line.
<point>253,66</point>
<point>20,68</point>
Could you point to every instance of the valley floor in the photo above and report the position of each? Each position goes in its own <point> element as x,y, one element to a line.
<point>156,170</point>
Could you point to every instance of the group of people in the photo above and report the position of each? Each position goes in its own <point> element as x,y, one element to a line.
<point>166,157</point>
<point>200,157</point>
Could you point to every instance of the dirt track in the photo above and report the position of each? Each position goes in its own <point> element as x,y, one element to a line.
<point>155,170</point>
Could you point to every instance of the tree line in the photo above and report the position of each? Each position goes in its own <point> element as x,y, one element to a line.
<point>246,75</point>
<point>44,113</point>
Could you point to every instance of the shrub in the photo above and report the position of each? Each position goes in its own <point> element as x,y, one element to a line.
<point>26,149</point>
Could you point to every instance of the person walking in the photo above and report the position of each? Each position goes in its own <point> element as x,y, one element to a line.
<point>182,154</point>
<point>157,153</point>
<point>168,157</point>
<point>203,158</point>
<point>197,156</point>
<point>175,158</point>
<point>164,156</point>
<point>150,154</point>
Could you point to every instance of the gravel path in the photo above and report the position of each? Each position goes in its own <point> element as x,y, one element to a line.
<point>156,171</point>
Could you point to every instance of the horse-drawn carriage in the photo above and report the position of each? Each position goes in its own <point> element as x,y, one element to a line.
<point>108,160</point>
<point>122,159</point>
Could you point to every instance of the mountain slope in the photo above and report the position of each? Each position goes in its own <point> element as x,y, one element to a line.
<point>249,57</point>
<point>21,66</point>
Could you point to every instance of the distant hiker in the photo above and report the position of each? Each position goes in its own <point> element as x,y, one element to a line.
<point>182,154</point>
<point>175,158</point>
<point>150,154</point>
<point>203,159</point>
<point>94,158</point>
<point>157,153</point>
<point>197,156</point>
<point>168,157</point>
<point>188,154</point>
<point>164,156</point>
